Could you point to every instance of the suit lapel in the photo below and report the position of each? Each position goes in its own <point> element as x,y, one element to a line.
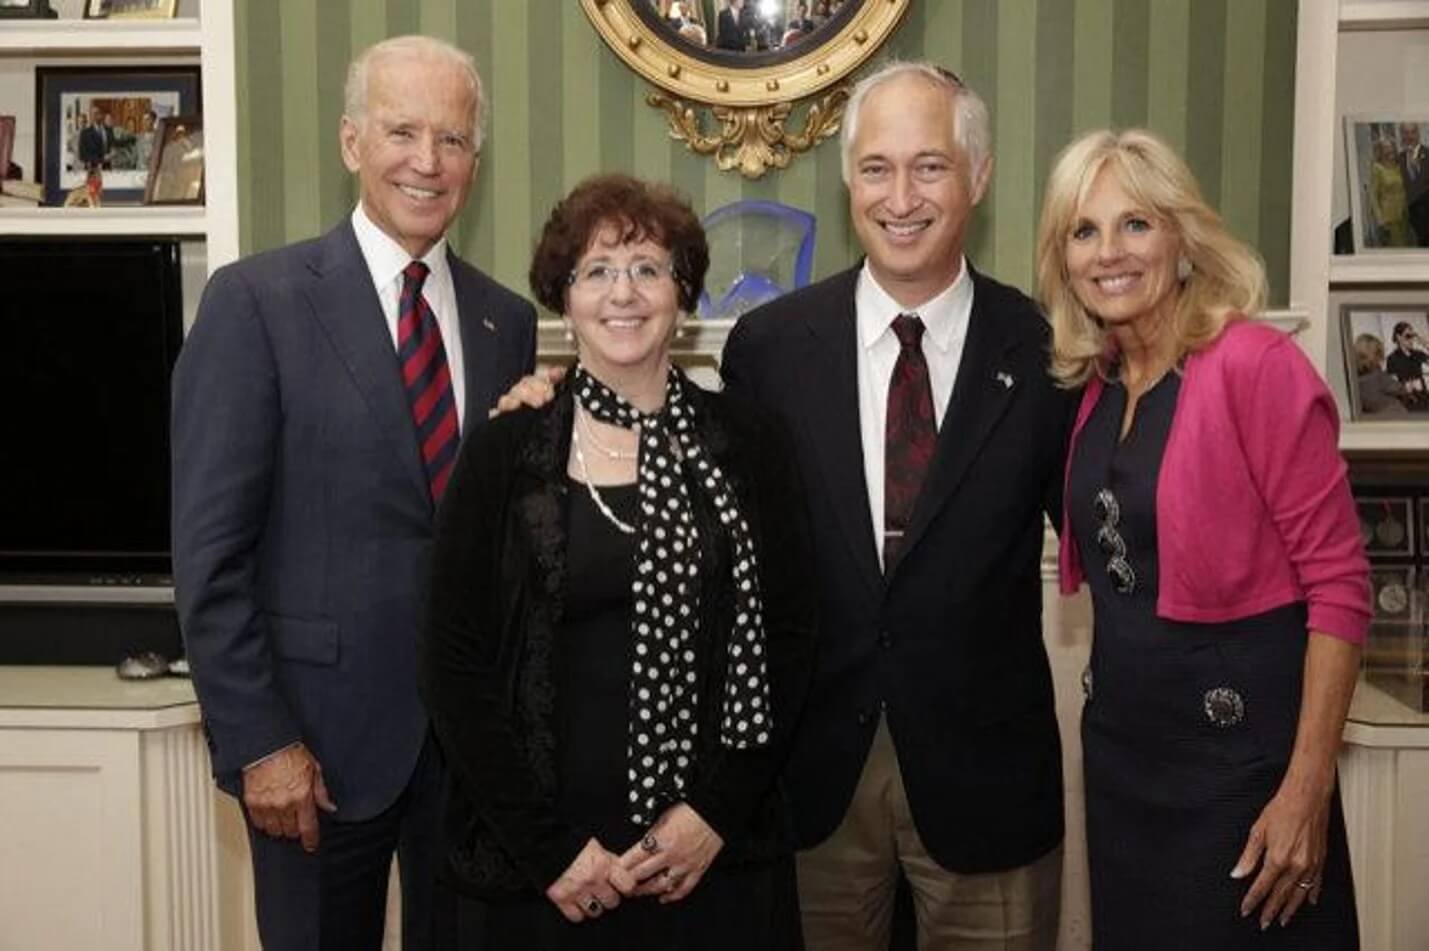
<point>830,384</point>
<point>346,306</point>
<point>478,339</point>
<point>986,385</point>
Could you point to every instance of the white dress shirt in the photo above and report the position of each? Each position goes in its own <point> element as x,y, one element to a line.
<point>945,321</point>
<point>385,262</point>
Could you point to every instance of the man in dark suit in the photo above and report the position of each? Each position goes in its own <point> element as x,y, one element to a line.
<point>1414,166</point>
<point>932,442</point>
<point>317,405</point>
<point>738,27</point>
<point>92,143</point>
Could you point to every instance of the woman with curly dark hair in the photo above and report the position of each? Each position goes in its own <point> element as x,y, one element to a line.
<point>619,639</point>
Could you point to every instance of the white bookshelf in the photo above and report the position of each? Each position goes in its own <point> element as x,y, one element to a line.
<point>1353,57</point>
<point>202,34</point>
<point>54,37</point>
<point>178,221</point>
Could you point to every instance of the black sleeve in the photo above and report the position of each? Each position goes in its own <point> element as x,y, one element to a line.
<point>736,781</point>
<point>736,365</point>
<point>469,659</point>
<point>1065,403</point>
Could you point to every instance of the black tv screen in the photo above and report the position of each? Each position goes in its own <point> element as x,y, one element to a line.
<point>89,330</point>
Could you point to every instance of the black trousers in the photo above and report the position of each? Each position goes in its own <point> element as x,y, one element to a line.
<point>336,898</point>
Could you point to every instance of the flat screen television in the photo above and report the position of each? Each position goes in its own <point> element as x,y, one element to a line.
<point>89,330</point>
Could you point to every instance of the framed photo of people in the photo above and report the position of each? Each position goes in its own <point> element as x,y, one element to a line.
<point>176,166</point>
<point>1386,350</point>
<point>106,118</point>
<point>1388,161</point>
<point>130,9</point>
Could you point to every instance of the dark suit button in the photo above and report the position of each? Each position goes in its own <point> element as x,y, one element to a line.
<point>885,639</point>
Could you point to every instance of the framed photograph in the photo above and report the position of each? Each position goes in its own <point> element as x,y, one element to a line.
<point>1386,350</point>
<point>1388,162</point>
<point>176,166</point>
<point>1387,525</point>
<point>130,9</point>
<point>105,117</point>
<point>7,143</point>
<point>26,10</point>
<point>1394,594</point>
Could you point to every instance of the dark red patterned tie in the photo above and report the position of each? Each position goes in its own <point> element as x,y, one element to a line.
<point>427,378</point>
<point>910,436</point>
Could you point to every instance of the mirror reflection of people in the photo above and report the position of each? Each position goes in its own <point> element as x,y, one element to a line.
<point>1414,164</point>
<point>1380,392</point>
<point>318,403</point>
<point>1209,512</point>
<point>620,632</point>
<point>1388,206</point>
<point>1409,363</point>
<point>739,27</point>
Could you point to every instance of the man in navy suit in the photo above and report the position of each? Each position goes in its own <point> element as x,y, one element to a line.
<point>932,442</point>
<point>317,402</point>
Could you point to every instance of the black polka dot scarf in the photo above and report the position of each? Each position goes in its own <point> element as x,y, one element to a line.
<point>665,615</point>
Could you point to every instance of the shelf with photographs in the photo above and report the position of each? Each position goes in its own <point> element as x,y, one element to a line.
<point>1362,110</point>
<point>65,37</point>
<point>165,71</point>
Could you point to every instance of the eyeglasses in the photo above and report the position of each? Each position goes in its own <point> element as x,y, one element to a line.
<point>602,277</point>
<point>1108,511</point>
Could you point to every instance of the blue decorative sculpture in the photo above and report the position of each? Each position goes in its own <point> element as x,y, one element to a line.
<point>759,250</point>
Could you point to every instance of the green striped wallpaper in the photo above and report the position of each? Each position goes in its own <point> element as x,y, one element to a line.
<point>1216,77</point>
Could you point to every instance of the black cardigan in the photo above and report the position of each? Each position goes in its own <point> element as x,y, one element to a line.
<point>498,583</point>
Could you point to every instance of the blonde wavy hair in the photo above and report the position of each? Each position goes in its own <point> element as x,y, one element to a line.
<point>1227,278</point>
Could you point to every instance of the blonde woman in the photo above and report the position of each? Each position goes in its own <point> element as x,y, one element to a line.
<point>1387,198</point>
<point>1207,509</point>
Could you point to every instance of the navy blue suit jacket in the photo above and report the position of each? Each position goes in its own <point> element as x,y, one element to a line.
<point>302,521</point>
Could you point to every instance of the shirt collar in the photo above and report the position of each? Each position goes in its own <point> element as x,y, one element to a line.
<point>945,315</point>
<point>385,258</point>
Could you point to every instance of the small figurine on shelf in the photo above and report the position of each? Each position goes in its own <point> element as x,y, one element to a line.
<point>87,195</point>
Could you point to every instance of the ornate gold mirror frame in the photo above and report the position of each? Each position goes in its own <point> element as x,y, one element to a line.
<point>751,95</point>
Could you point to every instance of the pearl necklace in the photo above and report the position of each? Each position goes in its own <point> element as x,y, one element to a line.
<point>610,516</point>
<point>584,417</point>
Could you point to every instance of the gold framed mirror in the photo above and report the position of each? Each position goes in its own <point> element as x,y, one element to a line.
<point>749,62</point>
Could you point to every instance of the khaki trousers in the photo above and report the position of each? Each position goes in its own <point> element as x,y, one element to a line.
<point>847,882</point>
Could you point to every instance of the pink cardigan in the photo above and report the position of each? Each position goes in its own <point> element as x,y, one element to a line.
<point>1252,505</point>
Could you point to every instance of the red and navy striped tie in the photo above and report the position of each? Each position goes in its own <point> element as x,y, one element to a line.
<point>428,379</point>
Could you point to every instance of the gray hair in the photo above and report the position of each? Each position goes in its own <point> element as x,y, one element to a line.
<point>355,92</point>
<point>970,118</point>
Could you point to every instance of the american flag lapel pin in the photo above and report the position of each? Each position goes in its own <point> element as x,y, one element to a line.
<point>486,322</point>
<point>1005,379</point>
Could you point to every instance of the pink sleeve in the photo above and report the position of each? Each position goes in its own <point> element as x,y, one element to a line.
<point>1289,430</point>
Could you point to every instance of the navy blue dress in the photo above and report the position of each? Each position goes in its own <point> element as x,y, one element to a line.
<point>1187,728</point>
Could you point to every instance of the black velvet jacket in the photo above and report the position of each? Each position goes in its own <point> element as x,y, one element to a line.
<point>498,583</point>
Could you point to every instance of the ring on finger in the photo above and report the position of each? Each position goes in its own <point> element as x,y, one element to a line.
<point>593,906</point>
<point>1305,884</point>
<point>650,844</point>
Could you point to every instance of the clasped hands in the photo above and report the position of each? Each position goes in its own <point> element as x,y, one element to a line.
<point>668,862</point>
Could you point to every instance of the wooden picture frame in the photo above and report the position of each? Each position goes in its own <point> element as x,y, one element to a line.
<point>130,9</point>
<point>67,98</point>
<point>176,167</point>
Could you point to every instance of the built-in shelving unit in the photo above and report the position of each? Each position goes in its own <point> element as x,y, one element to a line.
<point>1343,71</point>
<point>53,37</point>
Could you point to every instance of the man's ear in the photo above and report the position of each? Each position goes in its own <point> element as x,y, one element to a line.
<point>347,136</point>
<point>982,177</point>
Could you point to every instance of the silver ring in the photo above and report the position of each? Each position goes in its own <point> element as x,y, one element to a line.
<point>593,906</point>
<point>1306,885</point>
<point>650,844</point>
